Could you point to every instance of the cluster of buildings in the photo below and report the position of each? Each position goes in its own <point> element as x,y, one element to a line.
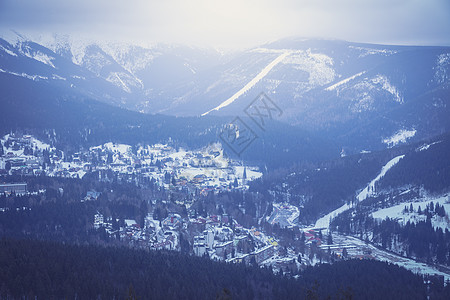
<point>153,234</point>
<point>212,236</point>
<point>202,171</point>
<point>24,155</point>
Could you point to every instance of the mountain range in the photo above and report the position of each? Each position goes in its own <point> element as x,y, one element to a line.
<point>362,97</point>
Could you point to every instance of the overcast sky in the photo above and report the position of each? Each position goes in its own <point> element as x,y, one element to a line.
<point>235,23</point>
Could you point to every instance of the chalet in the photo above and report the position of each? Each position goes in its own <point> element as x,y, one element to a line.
<point>173,220</point>
<point>131,223</point>
<point>91,196</point>
<point>200,178</point>
<point>163,245</point>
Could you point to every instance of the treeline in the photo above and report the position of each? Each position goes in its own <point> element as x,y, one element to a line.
<point>69,120</point>
<point>429,168</point>
<point>59,213</point>
<point>420,239</point>
<point>323,187</point>
<point>47,270</point>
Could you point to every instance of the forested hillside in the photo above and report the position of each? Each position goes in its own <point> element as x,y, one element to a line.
<point>55,271</point>
<point>70,121</point>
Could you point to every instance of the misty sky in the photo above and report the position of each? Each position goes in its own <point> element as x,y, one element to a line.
<point>235,23</point>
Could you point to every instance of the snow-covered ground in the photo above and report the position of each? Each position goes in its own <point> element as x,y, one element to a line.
<point>25,75</point>
<point>284,214</point>
<point>397,212</point>
<point>369,190</point>
<point>371,51</point>
<point>344,81</point>
<point>249,85</point>
<point>400,136</point>
<point>155,161</point>
<point>382,255</point>
<point>388,87</point>
<point>441,69</point>
<point>426,146</point>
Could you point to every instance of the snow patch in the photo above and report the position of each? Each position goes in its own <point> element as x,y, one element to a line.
<point>370,51</point>
<point>441,74</point>
<point>123,149</point>
<point>399,137</point>
<point>115,78</point>
<point>397,212</point>
<point>426,146</point>
<point>8,51</point>
<point>57,77</point>
<point>25,75</point>
<point>318,66</point>
<point>387,86</point>
<point>39,56</point>
<point>344,81</point>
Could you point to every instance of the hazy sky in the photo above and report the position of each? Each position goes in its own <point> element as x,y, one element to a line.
<point>235,23</point>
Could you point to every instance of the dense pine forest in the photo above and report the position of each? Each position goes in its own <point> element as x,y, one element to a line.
<point>48,270</point>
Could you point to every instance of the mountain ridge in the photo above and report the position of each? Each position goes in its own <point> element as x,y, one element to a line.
<point>357,94</point>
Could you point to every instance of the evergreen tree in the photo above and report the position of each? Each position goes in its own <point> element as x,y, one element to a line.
<point>329,239</point>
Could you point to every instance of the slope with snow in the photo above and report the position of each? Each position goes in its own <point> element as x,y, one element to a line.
<point>387,256</point>
<point>397,212</point>
<point>25,75</point>
<point>400,136</point>
<point>386,85</point>
<point>369,190</point>
<point>427,146</point>
<point>344,81</point>
<point>442,68</point>
<point>249,85</point>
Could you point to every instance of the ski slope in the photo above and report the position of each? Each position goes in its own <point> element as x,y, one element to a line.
<point>369,190</point>
<point>397,212</point>
<point>344,81</point>
<point>249,85</point>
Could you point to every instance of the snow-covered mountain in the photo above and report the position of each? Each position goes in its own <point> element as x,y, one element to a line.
<point>123,74</point>
<point>366,95</point>
<point>363,96</point>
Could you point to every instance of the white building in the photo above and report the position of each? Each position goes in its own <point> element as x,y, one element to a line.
<point>98,220</point>
<point>199,245</point>
<point>209,238</point>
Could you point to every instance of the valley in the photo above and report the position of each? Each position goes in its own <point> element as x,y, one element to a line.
<point>128,149</point>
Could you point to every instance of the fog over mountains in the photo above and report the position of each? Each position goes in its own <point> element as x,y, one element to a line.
<point>363,96</point>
